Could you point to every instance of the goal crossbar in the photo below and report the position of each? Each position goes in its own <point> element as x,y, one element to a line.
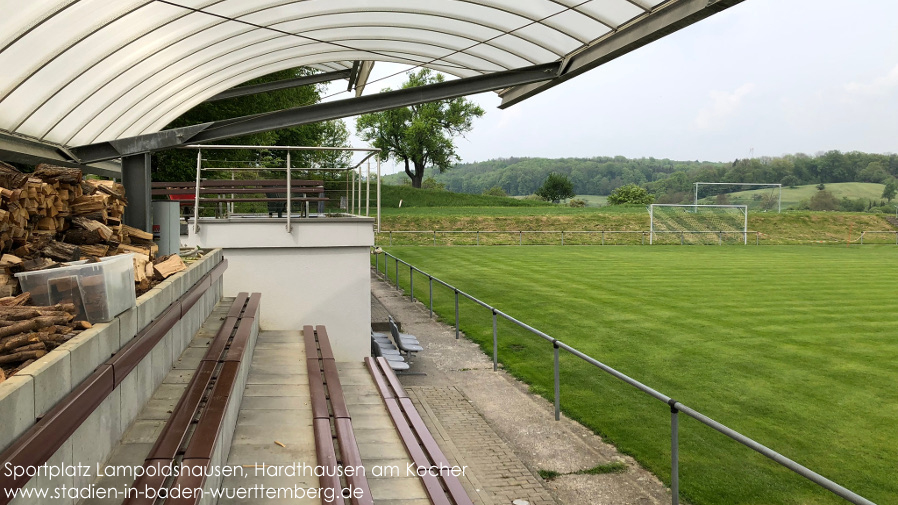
<point>696,209</point>
<point>779,200</point>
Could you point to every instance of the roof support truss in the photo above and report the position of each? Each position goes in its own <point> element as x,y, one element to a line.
<point>218,130</point>
<point>667,19</point>
<point>281,84</point>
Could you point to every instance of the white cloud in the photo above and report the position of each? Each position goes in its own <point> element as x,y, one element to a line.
<point>879,86</point>
<point>723,105</point>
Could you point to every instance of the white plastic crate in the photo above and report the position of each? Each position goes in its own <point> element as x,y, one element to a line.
<point>100,291</point>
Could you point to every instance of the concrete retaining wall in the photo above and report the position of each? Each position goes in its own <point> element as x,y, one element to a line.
<point>31,393</point>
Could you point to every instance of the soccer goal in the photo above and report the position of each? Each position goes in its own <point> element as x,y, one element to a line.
<point>698,224</point>
<point>758,196</point>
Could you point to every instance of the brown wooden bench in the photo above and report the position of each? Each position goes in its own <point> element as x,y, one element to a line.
<point>442,486</point>
<point>206,396</point>
<point>330,415</point>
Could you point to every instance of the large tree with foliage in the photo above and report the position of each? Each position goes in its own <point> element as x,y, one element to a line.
<point>555,188</point>
<point>420,136</point>
<point>180,165</point>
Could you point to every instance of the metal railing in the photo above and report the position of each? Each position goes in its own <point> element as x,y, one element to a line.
<point>675,407</point>
<point>564,237</point>
<point>864,233</point>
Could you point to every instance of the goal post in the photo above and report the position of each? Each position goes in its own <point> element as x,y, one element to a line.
<point>778,188</point>
<point>701,223</point>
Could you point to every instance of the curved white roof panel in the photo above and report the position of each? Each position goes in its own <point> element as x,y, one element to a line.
<point>84,71</point>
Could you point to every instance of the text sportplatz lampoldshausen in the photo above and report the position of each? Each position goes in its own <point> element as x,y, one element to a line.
<point>249,491</point>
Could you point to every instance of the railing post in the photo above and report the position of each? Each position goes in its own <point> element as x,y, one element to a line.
<point>674,454</point>
<point>411,284</point>
<point>758,238</point>
<point>643,238</point>
<point>386,269</point>
<point>521,241</point>
<point>557,385</point>
<point>603,237</point>
<point>397,273</point>
<point>682,238</point>
<point>430,280</point>
<point>377,262</point>
<point>720,238</point>
<point>456,314</point>
<point>434,237</point>
<point>478,237</point>
<point>562,237</point>
<point>495,342</point>
<point>391,237</point>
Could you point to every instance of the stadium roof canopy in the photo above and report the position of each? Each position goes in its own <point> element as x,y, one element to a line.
<point>85,81</point>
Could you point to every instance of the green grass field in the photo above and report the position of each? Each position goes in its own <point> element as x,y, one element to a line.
<point>792,196</point>
<point>792,346</point>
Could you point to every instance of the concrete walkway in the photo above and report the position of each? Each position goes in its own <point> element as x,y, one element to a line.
<point>274,427</point>
<point>490,422</point>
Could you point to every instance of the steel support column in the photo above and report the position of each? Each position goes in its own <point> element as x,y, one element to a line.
<point>136,179</point>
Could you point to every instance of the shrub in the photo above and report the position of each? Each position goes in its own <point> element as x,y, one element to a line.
<point>495,191</point>
<point>824,200</point>
<point>631,194</point>
<point>577,202</point>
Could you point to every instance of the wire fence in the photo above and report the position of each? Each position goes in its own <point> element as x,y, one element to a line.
<point>675,407</point>
<point>595,237</point>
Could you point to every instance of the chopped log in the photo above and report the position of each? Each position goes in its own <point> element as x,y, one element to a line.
<point>53,173</point>
<point>12,342</point>
<point>62,318</point>
<point>16,301</point>
<point>62,251</point>
<point>94,250</point>
<point>21,327</point>
<point>80,236</point>
<point>36,264</point>
<point>82,325</point>
<point>10,260</point>
<point>103,231</point>
<point>21,356</point>
<point>42,309</point>
<point>10,177</point>
<point>37,346</point>
<point>2,375</point>
<point>136,233</point>
<point>125,248</point>
<point>171,265</point>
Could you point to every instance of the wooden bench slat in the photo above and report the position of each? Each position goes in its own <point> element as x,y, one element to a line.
<point>316,390</point>
<point>324,343</point>
<point>327,457</point>
<point>335,389</point>
<point>350,456</point>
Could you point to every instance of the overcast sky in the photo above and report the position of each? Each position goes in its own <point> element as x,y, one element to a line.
<point>772,76</point>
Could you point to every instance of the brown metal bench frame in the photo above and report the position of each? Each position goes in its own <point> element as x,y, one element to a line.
<point>37,445</point>
<point>443,489</point>
<point>329,412</point>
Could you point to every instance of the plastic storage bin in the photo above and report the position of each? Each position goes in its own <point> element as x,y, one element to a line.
<point>100,291</point>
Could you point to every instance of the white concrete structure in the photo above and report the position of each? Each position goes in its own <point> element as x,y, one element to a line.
<point>316,274</point>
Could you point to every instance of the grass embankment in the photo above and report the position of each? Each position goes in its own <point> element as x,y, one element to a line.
<point>793,347</point>
<point>793,196</point>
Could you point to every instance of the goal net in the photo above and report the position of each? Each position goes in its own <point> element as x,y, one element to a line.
<point>698,224</point>
<point>756,196</point>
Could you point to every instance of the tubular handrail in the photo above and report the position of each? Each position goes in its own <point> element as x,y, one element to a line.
<point>675,406</point>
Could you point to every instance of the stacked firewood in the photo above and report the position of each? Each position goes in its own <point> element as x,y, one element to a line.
<point>27,332</point>
<point>55,215</point>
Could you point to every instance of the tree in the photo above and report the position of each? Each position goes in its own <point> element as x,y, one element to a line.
<point>420,136</point>
<point>180,164</point>
<point>631,194</point>
<point>790,181</point>
<point>556,187</point>
<point>824,200</point>
<point>890,190</point>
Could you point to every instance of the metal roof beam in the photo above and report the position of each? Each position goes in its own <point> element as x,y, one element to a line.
<point>32,152</point>
<point>236,127</point>
<point>653,26</point>
<point>281,84</point>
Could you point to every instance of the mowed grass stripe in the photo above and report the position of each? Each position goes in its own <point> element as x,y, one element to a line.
<point>793,346</point>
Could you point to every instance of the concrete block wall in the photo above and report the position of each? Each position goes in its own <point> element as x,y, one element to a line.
<point>31,393</point>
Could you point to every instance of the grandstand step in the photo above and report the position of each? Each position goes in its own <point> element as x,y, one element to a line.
<point>140,437</point>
